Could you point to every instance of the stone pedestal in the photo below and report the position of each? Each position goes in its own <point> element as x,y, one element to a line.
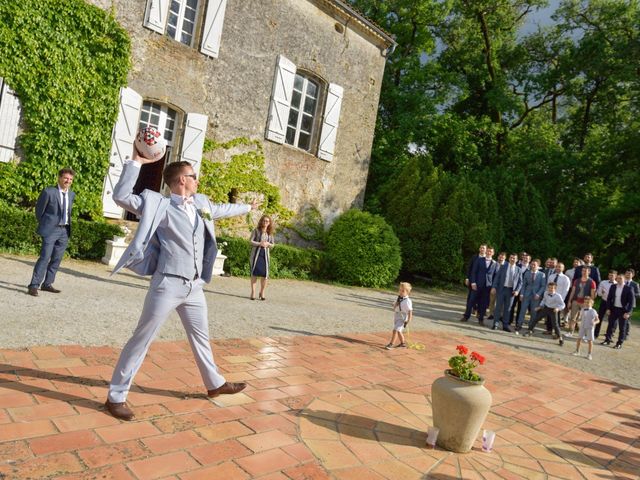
<point>218,264</point>
<point>115,249</point>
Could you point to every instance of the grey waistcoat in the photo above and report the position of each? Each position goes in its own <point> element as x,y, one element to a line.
<point>181,245</point>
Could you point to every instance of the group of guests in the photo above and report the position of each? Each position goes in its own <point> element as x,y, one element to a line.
<point>511,285</point>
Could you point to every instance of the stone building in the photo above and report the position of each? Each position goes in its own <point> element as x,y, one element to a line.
<point>304,76</point>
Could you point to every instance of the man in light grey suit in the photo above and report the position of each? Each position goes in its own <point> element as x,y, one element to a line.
<point>175,243</point>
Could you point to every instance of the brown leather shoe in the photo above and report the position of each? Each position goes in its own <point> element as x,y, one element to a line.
<point>227,388</point>
<point>119,410</point>
<point>49,288</point>
<point>33,291</point>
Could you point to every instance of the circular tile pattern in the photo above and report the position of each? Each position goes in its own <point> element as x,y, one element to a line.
<point>382,434</point>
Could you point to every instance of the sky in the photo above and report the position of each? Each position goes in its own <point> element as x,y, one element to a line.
<point>540,17</point>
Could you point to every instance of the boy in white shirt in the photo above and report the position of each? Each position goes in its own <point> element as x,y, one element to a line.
<point>402,315</point>
<point>588,321</point>
<point>550,307</point>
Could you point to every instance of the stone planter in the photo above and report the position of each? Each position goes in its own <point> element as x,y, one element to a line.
<point>459,410</point>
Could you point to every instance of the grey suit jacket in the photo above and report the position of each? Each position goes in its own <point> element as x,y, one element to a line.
<point>141,256</point>
<point>49,210</point>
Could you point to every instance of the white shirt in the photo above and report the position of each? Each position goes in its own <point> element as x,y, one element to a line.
<point>562,283</point>
<point>186,205</point>
<point>604,287</point>
<point>65,215</point>
<point>569,273</point>
<point>554,300</point>
<point>618,301</point>
<point>588,317</point>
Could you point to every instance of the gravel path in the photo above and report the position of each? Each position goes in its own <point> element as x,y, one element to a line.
<point>95,308</point>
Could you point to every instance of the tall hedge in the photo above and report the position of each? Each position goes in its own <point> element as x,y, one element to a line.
<point>363,250</point>
<point>18,234</point>
<point>66,60</point>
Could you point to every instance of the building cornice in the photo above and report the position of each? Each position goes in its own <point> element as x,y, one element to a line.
<point>352,14</point>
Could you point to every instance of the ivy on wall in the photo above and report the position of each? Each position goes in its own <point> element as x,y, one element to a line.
<point>244,172</point>
<point>66,60</point>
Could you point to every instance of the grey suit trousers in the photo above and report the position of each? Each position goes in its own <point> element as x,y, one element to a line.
<point>167,293</point>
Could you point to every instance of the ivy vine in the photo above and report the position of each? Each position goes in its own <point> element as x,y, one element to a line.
<point>66,60</point>
<point>242,173</point>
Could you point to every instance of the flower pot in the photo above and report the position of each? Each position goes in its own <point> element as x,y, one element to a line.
<point>459,408</point>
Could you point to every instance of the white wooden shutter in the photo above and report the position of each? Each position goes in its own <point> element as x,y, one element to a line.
<point>155,16</point>
<point>122,138</point>
<point>212,30</point>
<point>330,122</point>
<point>195,130</point>
<point>9,121</point>
<point>280,100</point>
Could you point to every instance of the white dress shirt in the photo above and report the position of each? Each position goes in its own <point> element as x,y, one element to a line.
<point>604,287</point>
<point>618,300</point>
<point>185,204</point>
<point>65,214</point>
<point>562,283</point>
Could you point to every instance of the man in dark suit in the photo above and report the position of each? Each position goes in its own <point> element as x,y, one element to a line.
<point>53,212</point>
<point>480,278</point>
<point>635,288</point>
<point>482,250</point>
<point>594,273</point>
<point>621,301</point>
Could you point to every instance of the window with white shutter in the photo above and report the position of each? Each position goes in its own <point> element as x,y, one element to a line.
<point>155,16</point>
<point>122,138</point>
<point>212,28</point>
<point>9,121</point>
<point>195,130</point>
<point>329,131</point>
<point>302,112</point>
<point>281,94</point>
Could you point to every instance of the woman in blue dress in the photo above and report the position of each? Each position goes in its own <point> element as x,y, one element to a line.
<point>261,242</point>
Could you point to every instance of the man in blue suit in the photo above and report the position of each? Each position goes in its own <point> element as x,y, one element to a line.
<point>621,301</point>
<point>534,283</point>
<point>480,280</point>
<point>175,243</point>
<point>507,285</point>
<point>53,212</point>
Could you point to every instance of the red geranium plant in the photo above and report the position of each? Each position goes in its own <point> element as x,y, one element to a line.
<point>462,366</point>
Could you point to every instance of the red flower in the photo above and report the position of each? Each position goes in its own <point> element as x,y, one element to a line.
<point>462,350</point>
<point>477,357</point>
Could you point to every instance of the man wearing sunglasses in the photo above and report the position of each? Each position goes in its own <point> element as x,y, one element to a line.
<point>176,244</point>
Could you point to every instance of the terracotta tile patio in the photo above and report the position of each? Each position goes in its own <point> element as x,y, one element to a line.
<point>316,407</point>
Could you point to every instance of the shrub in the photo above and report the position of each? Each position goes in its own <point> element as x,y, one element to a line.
<point>18,234</point>
<point>363,250</point>
<point>294,262</point>
<point>237,251</point>
<point>286,261</point>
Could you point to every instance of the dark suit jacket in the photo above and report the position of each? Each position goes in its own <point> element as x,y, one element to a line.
<point>628,299</point>
<point>594,274</point>
<point>49,210</point>
<point>480,274</point>
<point>635,288</point>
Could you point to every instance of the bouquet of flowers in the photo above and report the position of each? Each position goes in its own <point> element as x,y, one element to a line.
<point>462,366</point>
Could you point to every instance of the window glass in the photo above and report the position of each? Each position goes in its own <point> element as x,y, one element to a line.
<point>160,116</point>
<point>182,20</point>
<point>300,125</point>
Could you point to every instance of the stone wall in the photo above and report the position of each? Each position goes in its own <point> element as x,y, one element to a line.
<point>234,89</point>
